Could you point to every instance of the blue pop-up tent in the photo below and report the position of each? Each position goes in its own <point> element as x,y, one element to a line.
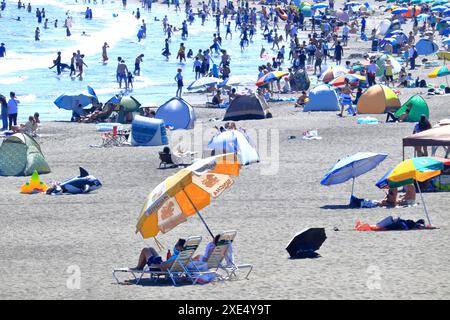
<point>322,98</point>
<point>177,114</point>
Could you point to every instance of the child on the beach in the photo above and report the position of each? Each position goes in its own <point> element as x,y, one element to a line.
<point>130,79</point>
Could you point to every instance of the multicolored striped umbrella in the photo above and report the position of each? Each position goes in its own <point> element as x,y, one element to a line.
<point>412,170</point>
<point>442,71</point>
<point>270,77</point>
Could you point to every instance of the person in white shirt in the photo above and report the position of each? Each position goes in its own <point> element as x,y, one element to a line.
<point>345,33</point>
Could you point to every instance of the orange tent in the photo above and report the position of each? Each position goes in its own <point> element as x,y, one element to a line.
<point>378,99</point>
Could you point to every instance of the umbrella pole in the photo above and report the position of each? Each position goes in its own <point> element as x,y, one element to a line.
<point>198,212</point>
<point>424,205</point>
<point>353,185</point>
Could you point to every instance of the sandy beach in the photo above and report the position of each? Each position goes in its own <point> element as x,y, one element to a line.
<point>44,235</point>
<point>45,240</point>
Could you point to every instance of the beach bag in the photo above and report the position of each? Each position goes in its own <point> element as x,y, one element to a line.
<point>422,83</point>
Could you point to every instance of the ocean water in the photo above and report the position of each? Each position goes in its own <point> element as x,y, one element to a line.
<point>25,69</point>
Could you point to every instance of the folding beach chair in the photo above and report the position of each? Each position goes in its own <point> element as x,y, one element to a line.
<point>111,139</point>
<point>177,271</point>
<point>217,257</point>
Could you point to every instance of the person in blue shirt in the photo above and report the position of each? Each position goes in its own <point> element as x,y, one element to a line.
<point>179,80</point>
<point>2,50</point>
<point>149,256</point>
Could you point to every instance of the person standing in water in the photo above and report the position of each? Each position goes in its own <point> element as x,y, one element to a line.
<point>179,80</point>
<point>122,74</point>
<point>57,63</point>
<point>80,63</point>
<point>2,50</point>
<point>104,52</point>
<point>137,64</point>
<point>181,53</point>
<point>72,65</point>
<point>37,32</point>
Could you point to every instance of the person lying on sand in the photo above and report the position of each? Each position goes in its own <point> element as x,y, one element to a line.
<point>150,257</point>
<point>391,117</point>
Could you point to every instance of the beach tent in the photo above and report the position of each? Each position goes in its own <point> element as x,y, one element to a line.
<point>234,141</point>
<point>21,155</point>
<point>148,132</point>
<point>244,108</point>
<point>426,46</point>
<point>177,114</point>
<point>396,66</point>
<point>378,99</point>
<point>434,137</point>
<point>322,98</point>
<point>417,106</point>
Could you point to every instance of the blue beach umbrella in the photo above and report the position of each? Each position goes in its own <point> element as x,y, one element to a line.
<point>422,16</point>
<point>439,9</point>
<point>399,10</point>
<point>91,91</point>
<point>352,167</point>
<point>74,102</point>
<point>320,6</point>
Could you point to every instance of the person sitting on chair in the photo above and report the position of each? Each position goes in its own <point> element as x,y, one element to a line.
<point>149,256</point>
<point>210,248</point>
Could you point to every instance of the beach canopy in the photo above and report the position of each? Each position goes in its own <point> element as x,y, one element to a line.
<point>185,193</point>
<point>426,46</point>
<point>21,155</point>
<point>234,141</point>
<point>322,98</point>
<point>148,132</point>
<point>383,27</point>
<point>417,106</point>
<point>378,99</point>
<point>439,136</point>
<point>177,114</point>
<point>246,107</point>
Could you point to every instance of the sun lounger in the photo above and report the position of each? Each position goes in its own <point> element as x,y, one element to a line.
<point>176,272</point>
<point>217,257</point>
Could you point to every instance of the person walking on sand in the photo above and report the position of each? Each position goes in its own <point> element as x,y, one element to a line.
<point>179,81</point>
<point>105,53</point>
<point>13,104</point>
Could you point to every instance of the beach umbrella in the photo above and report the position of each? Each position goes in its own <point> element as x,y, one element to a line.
<point>306,242</point>
<point>423,16</point>
<point>439,2</point>
<point>332,72</point>
<point>399,10</point>
<point>203,83</point>
<point>416,1</point>
<point>231,81</point>
<point>128,103</point>
<point>270,77</point>
<point>383,183</point>
<point>319,6</point>
<point>351,167</point>
<point>91,91</point>
<point>415,170</point>
<point>73,102</point>
<point>185,193</point>
<point>438,9</point>
<point>390,7</point>
<point>352,78</point>
<point>446,41</point>
<point>342,16</point>
<point>442,71</point>
<point>443,55</point>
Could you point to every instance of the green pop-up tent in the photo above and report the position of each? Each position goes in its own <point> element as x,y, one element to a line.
<point>20,155</point>
<point>417,105</point>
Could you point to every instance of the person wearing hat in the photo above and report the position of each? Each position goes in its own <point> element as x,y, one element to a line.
<point>2,50</point>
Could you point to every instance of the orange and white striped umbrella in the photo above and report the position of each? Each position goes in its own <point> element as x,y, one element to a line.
<point>185,193</point>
